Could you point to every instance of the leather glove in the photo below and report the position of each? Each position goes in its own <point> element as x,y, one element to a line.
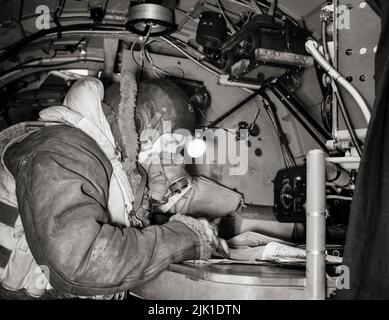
<point>210,243</point>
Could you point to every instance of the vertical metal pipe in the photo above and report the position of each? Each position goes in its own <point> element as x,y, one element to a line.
<point>316,226</point>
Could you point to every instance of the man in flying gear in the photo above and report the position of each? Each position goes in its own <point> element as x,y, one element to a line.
<point>75,204</point>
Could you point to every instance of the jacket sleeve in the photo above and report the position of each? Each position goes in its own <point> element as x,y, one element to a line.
<point>62,191</point>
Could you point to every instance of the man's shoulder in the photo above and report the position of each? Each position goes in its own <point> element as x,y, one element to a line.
<point>59,139</point>
<point>63,134</point>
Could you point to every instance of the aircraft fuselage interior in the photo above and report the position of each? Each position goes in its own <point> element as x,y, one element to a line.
<point>246,119</point>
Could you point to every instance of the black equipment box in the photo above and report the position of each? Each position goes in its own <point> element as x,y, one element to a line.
<point>290,194</point>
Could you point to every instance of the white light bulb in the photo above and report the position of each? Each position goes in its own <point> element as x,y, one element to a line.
<point>196,148</point>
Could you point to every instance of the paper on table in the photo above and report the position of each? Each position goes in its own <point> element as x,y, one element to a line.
<point>274,251</point>
<point>253,239</point>
<point>255,248</point>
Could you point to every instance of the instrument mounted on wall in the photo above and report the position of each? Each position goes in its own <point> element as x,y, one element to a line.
<point>260,41</point>
<point>153,18</point>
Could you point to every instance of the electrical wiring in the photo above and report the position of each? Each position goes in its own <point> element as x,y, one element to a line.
<point>255,118</point>
<point>251,126</point>
<point>140,66</point>
<point>145,54</point>
<point>143,44</point>
<point>97,29</point>
<point>346,118</point>
<point>157,69</point>
<point>204,117</point>
<point>162,70</point>
<point>272,120</point>
<point>325,119</point>
<point>324,40</point>
<point>335,89</point>
<point>312,47</point>
<point>283,149</point>
<point>284,143</point>
<point>286,152</point>
<point>164,39</point>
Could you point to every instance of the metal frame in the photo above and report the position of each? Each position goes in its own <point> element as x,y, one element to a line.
<point>356,64</point>
<point>298,110</point>
<point>316,221</point>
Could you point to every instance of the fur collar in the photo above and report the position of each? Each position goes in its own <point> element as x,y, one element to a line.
<point>128,137</point>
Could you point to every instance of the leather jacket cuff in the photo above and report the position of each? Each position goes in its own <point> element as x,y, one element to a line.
<point>198,229</point>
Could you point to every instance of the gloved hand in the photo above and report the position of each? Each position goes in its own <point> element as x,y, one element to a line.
<point>210,243</point>
<point>219,245</point>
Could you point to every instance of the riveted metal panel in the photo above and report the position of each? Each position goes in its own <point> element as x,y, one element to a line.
<point>356,54</point>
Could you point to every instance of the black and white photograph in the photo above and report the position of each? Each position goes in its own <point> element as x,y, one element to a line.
<point>194,157</point>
